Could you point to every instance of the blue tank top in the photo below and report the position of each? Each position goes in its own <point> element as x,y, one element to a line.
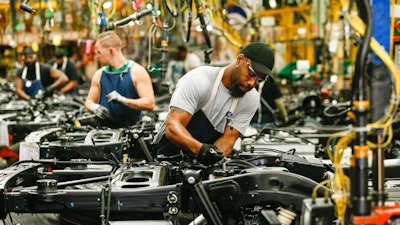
<point>120,81</point>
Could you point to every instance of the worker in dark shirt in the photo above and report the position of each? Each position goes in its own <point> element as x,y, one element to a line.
<point>36,77</point>
<point>272,108</point>
<point>64,64</point>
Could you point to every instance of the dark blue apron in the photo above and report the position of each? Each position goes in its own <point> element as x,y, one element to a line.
<point>199,127</point>
<point>32,87</point>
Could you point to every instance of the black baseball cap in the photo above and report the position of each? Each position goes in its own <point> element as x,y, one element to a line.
<point>28,51</point>
<point>261,56</point>
<point>59,53</point>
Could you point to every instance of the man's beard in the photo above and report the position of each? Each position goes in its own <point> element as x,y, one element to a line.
<point>235,91</point>
<point>30,65</point>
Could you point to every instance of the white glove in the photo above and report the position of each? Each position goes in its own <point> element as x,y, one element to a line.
<point>115,96</point>
<point>100,111</point>
<point>39,94</point>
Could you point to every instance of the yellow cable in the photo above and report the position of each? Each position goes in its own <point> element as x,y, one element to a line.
<point>389,130</point>
<point>341,186</point>
<point>341,183</point>
<point>328,143</point>
<point>315,189</point>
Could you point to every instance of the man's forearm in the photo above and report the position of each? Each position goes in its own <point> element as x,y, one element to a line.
<point>140,104</point>
<point>22,94</point>
<point>69,86</point>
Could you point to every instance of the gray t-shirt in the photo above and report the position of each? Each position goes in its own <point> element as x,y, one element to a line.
<point>194,90</point>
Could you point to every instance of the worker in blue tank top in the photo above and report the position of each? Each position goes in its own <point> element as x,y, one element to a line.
<point>121,88</point>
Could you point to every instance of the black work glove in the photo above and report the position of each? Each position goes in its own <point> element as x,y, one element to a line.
<point>209,154</point>
<point>101,112</point>
<point>48,91</point>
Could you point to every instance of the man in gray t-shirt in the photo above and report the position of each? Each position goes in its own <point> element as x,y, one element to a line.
<point>212,106</point>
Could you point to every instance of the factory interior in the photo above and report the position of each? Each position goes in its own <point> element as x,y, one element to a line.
<point>199,112</point>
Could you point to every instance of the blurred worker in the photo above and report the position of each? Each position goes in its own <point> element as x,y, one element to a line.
<point>181,64</point>
<point>272,107</point>
<point>35,77</point>
<point>68,67</point>
<point>189,59</point>
<point>212,106</point>
<point>122,88</point>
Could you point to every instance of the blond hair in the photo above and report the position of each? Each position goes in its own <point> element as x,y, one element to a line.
<point>109,39</point>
